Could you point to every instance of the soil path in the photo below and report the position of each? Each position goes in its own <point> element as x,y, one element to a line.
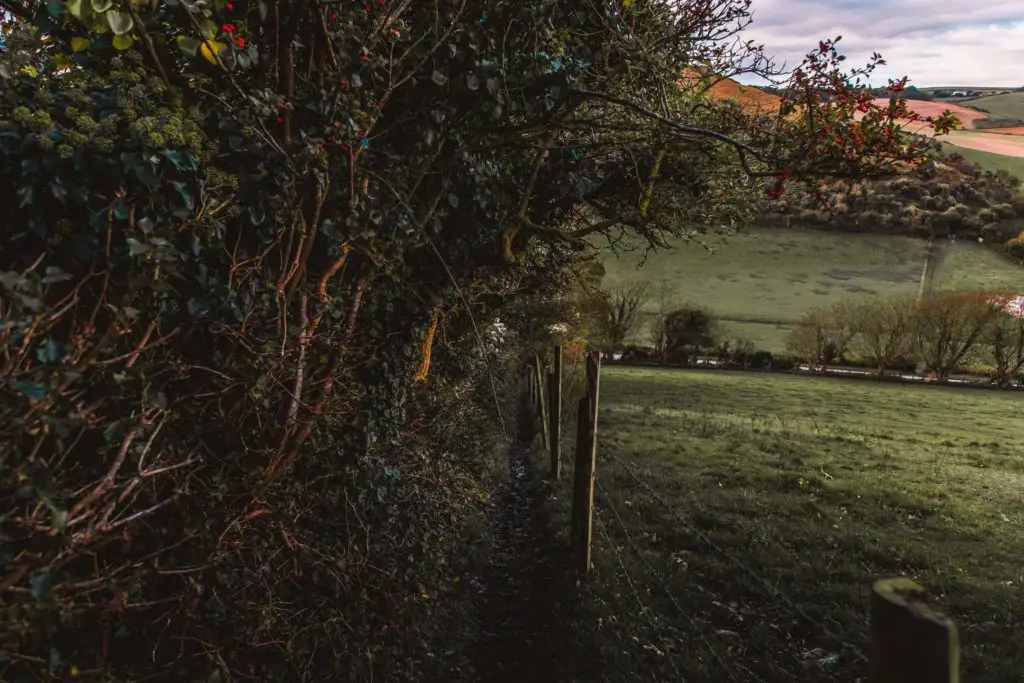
<point>524,622</point>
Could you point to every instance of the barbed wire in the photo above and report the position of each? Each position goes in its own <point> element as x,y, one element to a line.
<point>636,595</point>
<point>709,542</point>
<point>693,622</point>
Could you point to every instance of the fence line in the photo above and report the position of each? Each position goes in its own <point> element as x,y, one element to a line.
<point>704,639</point>
<point>911,642</point>
<point>636,595</point>
<point>773,591</point>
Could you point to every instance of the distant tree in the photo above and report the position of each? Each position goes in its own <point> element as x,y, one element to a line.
<point>664,302</point>
<point>824,334</point>
<point>949,328</point>
<point>623,302</point>
<point>884,329</point>
<point>1005,338</point>
<point>691,328</point>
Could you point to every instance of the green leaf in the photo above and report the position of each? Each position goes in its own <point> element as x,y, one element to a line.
<point>123,42</point>
<point>78,43</point>
<point>208,28</point>
<point>101,5</point>
<point>119,22</point>
<point>183,161</point>
<point>188,45</point>
<point>49,352</point>
<point>78,9</point>
<point>183,191</point>
<point>35,391</point>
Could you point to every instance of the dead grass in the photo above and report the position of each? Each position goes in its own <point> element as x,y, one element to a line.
<point>818,487</point>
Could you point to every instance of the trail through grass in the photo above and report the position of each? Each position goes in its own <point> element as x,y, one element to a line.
<point>819,486</point>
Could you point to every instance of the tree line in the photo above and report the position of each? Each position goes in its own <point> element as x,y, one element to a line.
<point>949,331</point>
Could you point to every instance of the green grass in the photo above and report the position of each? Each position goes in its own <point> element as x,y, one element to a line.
<point>760,282</point>
<point>1009,106</point>
<point>819,487</point>
<point>989,161</point>
<point>966,266</point>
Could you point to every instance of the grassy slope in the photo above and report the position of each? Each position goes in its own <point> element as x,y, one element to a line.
<point>1010,106</point>
<point>989,161</point>
<point>968,267</point>
<point>819,486</point>
<point>761,282</point>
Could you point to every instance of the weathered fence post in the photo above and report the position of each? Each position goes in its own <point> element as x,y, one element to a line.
<point>542,412</point>
<point>911,642</point>
<point>531,381</point>
<point>580,469</point>
<point>586,462</point>
<point>555,414</point>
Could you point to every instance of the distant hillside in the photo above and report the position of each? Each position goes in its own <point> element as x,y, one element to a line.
<point>1008,106</point>
<point>753,99</point>
<point>951,197</point>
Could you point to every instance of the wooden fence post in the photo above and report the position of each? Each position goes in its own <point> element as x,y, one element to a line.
<point>579,473</point>
<point>555,414</point>
<point>542,411</point>
<point>911,642</point>
<point>586,464</point>
<point>531,378</point>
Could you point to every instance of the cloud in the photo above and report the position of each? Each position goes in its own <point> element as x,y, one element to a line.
<point>934,42</point>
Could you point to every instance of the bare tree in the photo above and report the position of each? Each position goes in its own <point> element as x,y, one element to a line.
<point>824,334</point>
<point>665,303</point>
<point>1005,337</point>
<point>884,329</point>
<point>948,328</point>
<point>623,304</point>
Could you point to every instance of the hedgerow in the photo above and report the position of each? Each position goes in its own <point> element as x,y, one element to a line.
<point>252,255</point>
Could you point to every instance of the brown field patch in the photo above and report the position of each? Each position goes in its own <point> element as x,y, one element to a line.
<point>967,116</point>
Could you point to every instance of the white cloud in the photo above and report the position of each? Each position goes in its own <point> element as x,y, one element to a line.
<point>934,42</point>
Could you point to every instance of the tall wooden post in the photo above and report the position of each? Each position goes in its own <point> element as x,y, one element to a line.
<point>542,413</point>
<point>586,465</point>
<point>912,643</point>
<point>555,414</point>
<point>580,469</point>
<point>531,380</point>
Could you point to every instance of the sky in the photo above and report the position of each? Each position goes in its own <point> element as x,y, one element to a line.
<point>934,42</point>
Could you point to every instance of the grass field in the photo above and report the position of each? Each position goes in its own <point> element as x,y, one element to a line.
<point>760,282</point>
<point>814,487</point>
<point>989,161</point>
<point>965,266</point>
<point>1009,106</point>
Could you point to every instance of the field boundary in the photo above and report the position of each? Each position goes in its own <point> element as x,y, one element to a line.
<point>909,640</point>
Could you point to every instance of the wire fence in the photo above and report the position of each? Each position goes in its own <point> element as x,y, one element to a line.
<point>908,639</point>
<point>716,656</point>
<point>772,590</point>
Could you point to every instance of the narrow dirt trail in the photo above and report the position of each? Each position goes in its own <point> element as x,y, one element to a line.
<point>935,258</point>
<point>524,624</point>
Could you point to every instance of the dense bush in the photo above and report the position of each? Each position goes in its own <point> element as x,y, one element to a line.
<point>250,270</point>
<point>947,196</point>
